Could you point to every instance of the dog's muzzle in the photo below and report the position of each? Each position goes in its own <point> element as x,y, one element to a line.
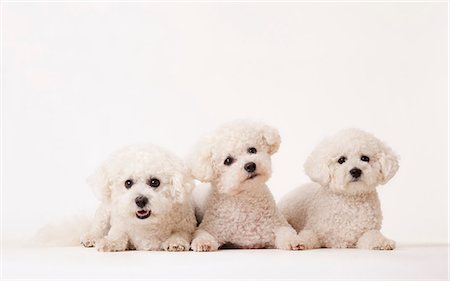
<point>355,173</point>
<point>252,176</point>
<point>250,167</point>
<point>141,202</point>
<point>143,214</point>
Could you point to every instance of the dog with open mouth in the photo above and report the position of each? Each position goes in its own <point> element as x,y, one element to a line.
<point>238,210</point>
<point>145,202</point>
<point>341,208</point>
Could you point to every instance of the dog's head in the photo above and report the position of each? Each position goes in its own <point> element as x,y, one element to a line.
<point>141,181</point>
<point>352,161</point>
<point>236,156</point>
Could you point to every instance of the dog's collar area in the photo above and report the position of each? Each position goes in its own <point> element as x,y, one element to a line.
<point>143,214</point>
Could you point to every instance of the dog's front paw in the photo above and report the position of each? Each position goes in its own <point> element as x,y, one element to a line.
<point>204,245</point>
<point>291,243</point>
<point>384,244</point>
<point>106,245</point>
<point>175,245</point>
<point>374,240</point>
<point>88,240</point>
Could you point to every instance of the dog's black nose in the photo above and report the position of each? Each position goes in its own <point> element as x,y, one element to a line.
<point>250,167</point>
<point>141,201</point>
<point>355,172</point>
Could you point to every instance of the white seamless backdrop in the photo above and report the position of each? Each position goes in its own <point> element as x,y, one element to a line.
<point>82,79</point>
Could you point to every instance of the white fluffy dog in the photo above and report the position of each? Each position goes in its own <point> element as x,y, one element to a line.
<point>239,210</point>
<point>144,192</point>
<point>342,210</point>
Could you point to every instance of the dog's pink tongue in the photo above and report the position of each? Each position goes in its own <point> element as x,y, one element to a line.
<point>142,212</point>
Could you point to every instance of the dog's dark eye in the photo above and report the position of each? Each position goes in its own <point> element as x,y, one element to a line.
<point>154,182</point>
<point>128,183</point>
<point>365,158</point>
<point>342,160</point>
<point>252,150</point>
<point>228,161</point>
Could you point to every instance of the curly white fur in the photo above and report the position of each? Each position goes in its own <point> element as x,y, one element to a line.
<point>239,211</point>
<point>339,210</point>
<point>165,222</point>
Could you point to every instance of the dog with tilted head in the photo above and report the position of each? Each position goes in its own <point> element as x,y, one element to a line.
<point>238,210</point>
<point>341,208</point>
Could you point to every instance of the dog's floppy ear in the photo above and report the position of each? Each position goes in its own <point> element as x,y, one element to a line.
<point>182,186</point>
<point>316,166</point>
<point>272,138</point>
<point>388,163</point>
<point>100,184</point>
<point>200,161</point>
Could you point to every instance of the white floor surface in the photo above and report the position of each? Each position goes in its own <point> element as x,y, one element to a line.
<point>406,262</point>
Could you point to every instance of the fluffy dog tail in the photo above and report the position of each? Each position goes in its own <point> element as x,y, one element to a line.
<point>66,232</point>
